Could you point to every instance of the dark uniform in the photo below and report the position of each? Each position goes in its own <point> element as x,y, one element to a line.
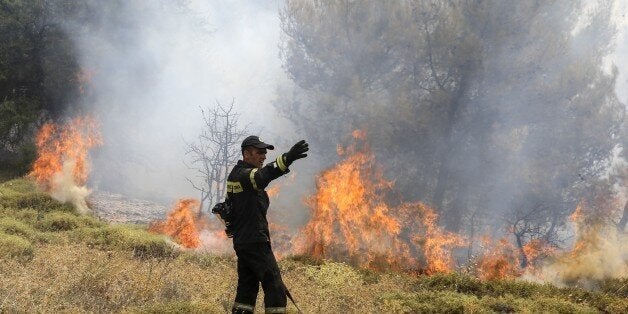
<point>251,237</point>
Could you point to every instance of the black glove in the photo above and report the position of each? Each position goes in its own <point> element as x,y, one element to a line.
<point>296,152</point>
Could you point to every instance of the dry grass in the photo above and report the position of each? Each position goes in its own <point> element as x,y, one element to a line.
<point>52,260</point>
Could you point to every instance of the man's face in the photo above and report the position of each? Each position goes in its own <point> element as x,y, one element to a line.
<point>255,156</point>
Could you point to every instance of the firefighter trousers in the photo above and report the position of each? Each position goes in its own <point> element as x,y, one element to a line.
<point>257,264</point>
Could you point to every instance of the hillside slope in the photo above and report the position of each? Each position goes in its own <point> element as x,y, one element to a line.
<point>52,260</point>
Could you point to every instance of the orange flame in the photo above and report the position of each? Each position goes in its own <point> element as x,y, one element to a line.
<point>352,221</point>
<point>273,191</point>
<point>84,78</point>
<point>499,261</point>
<point>57,145</point>
<point>437,243</point>
<point>536,249</point>
<point>181,224</point>
<point>599,251</point>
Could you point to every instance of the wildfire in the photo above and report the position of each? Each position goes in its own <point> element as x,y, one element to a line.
<point>537,249</point>
<point>62,166</point>
<point>273,191</point>
<point>352,221</point>
<point>600,251</point>
<point>499,260</point>
<point>181,223</point>
<point>437,244</point>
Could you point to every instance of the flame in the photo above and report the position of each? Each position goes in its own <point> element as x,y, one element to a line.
<point>352,221</point>
<point>84,79</point>
<point>600,251</point>
<point>181,224</point>
<point>273,191</point>
<point>437,244</point>
<point>499,260</point>
<point>62,164</point>
<point>537,249</point>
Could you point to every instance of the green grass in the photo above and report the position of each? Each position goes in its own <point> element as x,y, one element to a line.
<point>13,246</point>
<point>54,260</point>
<point>126,238</point>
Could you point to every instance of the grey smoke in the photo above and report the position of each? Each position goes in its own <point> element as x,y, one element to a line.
<point>155,64</point>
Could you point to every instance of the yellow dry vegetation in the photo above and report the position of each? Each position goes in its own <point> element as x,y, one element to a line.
<point>54,260</point>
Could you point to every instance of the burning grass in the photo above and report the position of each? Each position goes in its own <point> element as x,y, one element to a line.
<point>62,165</point>
<point>57,260</point>
<point>352,220</point>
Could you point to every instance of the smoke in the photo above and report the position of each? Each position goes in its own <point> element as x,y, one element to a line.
<point>65,188</point>
<point>155,63</point>
<point>619,57</point>
<point>600,252</point>
<point>214,243</point>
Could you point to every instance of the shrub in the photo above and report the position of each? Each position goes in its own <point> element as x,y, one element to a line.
<point>12,246</point>
<point>13,226</point>
<point>26,215</point>
<point>18,186</point>
<point>63,221</point>
<point>427,302</point>
<point>22,193</point>
<point>121,237</point>
<point>615,286</point>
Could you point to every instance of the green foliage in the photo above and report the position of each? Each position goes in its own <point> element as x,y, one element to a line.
<point>142,243</point>
<point>38,74</point>
<point>13,246</point>
<point>464,102</point>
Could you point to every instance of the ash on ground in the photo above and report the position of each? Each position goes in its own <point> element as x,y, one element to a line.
<point>120,209</point>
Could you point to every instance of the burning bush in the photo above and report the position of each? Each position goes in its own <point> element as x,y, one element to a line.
<point>181,223</point>
<point>62,166</point>
<point>352,221</point>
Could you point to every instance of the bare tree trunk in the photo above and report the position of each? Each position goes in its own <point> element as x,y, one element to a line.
<point>624,219</point>
<point>522,255</point>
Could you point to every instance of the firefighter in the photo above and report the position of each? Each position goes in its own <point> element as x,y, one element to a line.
<point>251,238</point>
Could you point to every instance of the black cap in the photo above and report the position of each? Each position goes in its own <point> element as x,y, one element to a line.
<point>256,142</point>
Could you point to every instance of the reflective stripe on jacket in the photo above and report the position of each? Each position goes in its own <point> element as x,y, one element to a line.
<point>249,200</point>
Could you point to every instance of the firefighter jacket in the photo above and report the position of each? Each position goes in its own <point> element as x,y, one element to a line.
<point>249,200</point>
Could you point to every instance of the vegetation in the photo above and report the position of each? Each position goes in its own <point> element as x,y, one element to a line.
<point>52,259</point>
<point>39,75</point>
<point>501,115</point>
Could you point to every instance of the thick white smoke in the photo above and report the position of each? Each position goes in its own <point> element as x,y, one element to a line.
<point>155,63</point>
<point>65,188</point>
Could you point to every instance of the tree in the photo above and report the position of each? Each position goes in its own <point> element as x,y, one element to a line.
<point>215,152</point>
<point>38,69</point>
<point>476,106</point>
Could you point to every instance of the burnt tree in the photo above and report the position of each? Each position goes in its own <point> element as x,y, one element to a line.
<point>215,152</point>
